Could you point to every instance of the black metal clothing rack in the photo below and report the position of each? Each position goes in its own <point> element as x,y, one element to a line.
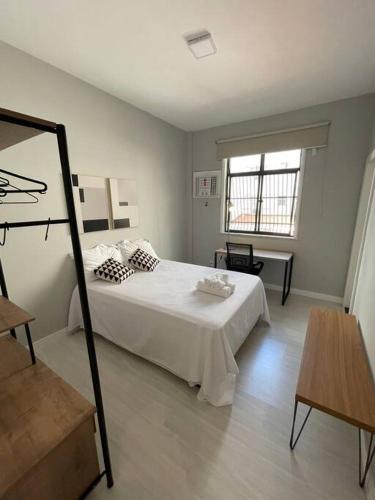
<point>38,126</point>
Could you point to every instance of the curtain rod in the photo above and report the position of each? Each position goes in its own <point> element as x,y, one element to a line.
<point>321,124</point>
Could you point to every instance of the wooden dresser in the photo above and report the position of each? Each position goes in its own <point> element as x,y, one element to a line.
<point>47,431</point>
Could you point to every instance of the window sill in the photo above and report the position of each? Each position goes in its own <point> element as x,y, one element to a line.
<point>252,235</point>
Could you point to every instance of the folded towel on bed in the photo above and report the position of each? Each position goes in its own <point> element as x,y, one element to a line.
<point>217,284</point>
<point>221,292</point>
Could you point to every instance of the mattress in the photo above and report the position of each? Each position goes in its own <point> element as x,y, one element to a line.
<point>162,317</point>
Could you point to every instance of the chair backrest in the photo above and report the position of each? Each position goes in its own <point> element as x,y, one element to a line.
<point>239,257</point>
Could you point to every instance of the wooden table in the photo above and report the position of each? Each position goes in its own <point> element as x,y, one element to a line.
<point>47,432</point>
<point>335,376</point>
<point>286,257</point>
<point>12,316</point>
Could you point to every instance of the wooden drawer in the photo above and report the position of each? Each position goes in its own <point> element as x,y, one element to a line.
<point>65,473</point>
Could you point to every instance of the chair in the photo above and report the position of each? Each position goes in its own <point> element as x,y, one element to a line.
<point>240,258</point>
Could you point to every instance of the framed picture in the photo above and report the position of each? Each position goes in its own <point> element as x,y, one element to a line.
<point>91,202</point>
<point>124,203</point>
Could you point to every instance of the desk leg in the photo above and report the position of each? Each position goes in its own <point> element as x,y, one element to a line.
<point>370,456</point>
<point>215,261</point>
<point>30,342</point>
<point>287,278</point>
<point>291,443</point>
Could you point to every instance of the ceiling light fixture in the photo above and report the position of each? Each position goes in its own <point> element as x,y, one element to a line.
<point>201,44</point>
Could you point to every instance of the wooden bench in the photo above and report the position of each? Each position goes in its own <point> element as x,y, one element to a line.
<point>335,376</point>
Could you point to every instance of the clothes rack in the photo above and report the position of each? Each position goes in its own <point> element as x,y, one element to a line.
<point>15,128</point>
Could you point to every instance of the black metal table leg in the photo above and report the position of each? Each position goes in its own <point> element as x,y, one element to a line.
<point>291,443</point>
<point>283,298</point>
<point>287,278</point>
<point>290,274</point>
<point>30,342</point>
<point>370,456</point>
<point>215,261</point>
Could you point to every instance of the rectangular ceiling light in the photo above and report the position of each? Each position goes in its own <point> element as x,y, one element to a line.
<point>201,44</point>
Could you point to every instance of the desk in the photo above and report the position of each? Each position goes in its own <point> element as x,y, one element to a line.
<point>335,376</point>
<point>286,257</point>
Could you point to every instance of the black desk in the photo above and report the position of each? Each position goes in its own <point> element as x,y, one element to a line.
<point>286,257</point>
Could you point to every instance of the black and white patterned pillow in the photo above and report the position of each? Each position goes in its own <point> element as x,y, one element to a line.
<point>114,271</point>
<point>143,260</point>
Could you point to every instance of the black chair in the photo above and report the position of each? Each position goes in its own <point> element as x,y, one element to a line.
<point>240,258</point>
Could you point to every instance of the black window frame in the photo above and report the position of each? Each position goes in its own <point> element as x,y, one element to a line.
<point>261,173</point>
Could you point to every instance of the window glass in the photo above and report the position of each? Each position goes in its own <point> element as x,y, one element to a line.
<point>282,160</point>
<point>243,198</point>
<point>265,201</point>
<point>278,203</point>
<point>242,164</point>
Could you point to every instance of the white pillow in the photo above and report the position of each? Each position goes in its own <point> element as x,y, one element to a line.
<point>94,257</point>
<point>127,249</point>
<point>146,246</point>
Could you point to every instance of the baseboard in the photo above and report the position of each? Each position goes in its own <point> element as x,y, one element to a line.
<point>58,332</point>
<point>307,293</point>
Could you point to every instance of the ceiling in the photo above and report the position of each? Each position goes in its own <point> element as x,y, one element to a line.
<point>272,55</point>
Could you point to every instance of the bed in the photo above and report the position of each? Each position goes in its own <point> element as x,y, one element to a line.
<point>161,317</point>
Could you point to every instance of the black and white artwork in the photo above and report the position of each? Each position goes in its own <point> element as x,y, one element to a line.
<point>91,202</point>
<point>124,203</point>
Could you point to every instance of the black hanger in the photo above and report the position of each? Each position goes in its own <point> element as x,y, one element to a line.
<point>16,190</point>
<point>6,228</point>
<point>47,230</point>
<point>5,185</point>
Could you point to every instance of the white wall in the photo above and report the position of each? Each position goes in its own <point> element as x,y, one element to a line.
<point>364,300</point>
<point>359,229</point>
<point>330,195</point>
<point>364,292</point>
<point>107,137</point>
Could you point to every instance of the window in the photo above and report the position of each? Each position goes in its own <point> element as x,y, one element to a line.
<point>262,193</point>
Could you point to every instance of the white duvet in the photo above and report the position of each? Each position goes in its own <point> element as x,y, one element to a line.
<point>162,317</point>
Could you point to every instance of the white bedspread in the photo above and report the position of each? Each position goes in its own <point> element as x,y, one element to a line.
<point>161,317</point>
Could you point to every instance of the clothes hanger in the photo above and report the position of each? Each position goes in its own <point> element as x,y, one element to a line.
<point>47,230</point>
<point>16,190</point>
<point>4,183</point>
<point>6,228</point>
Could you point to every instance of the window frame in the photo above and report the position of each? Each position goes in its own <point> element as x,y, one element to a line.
<point>261,173</point>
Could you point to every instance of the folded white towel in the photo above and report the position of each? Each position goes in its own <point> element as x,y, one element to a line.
<point>218,281</point>
<point>224,291</point>
<point>223,276</point>
<point>214,283</point>
<point>217,284</point>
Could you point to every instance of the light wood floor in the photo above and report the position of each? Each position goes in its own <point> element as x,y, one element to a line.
<point>166,445</point>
